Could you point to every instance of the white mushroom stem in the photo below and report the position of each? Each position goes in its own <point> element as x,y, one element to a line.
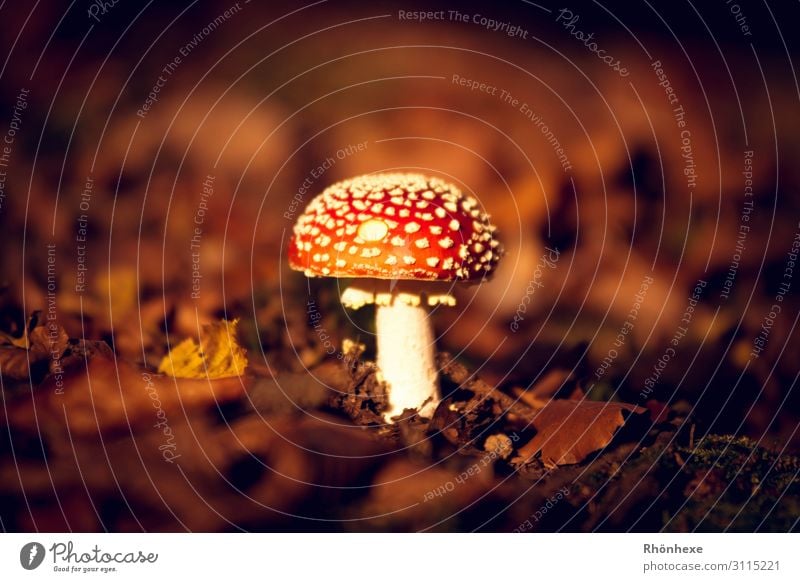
<point>405,358</point>
<point>405,342</point>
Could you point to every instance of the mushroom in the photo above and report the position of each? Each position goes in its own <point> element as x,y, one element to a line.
<point>404,238</point>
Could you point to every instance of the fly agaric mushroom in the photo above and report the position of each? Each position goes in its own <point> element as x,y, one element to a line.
<point>397,235</point>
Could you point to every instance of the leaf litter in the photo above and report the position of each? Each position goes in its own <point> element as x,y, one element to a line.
<point>237,418</point>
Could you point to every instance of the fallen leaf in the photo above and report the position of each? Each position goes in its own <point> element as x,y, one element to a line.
<point>105,395</point>
<point>219,354</point>
<point>36,352</point>
<point>567,431</point>
<point>19,342</point>
<point>196,474</point>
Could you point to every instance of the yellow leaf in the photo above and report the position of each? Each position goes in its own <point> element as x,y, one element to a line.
<point>20,342</point>
<point>219,355</point>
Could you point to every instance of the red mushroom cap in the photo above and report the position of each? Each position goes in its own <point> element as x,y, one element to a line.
<point>394,226</point>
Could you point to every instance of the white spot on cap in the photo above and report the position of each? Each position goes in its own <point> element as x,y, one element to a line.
<point>409,260</point>
<point>411,227</point>
<point>398,241</point>
<point>432,261</point>
<point>373,230</point>
<point>422,243</point>
<point>454,224</point>
<point>391,260</point>
<point>446,242</point>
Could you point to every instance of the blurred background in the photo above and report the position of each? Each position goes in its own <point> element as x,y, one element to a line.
<point>638,160</point>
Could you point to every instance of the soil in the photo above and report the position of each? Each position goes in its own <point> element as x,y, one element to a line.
<point>310,451</point>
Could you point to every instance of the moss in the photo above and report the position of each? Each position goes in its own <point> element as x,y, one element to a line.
<point>748,466</point>
<point>728,482</point>
<point>722,483</point>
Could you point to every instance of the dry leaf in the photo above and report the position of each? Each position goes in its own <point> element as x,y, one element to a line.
<point>567,431</point>
<point>108,395</point>
<point>40,347</point>
<point>219,354</point>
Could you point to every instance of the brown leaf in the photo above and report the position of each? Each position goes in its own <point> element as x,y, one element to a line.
<point>15,363</point>
<point>568,431</point>
<point>193,473</point>
<point>38,351</point>
<point>107,395</point>
<point>47,340</point>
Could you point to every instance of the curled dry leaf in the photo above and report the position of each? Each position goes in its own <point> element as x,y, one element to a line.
<point>35,353</point>
<point>567,431</point>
